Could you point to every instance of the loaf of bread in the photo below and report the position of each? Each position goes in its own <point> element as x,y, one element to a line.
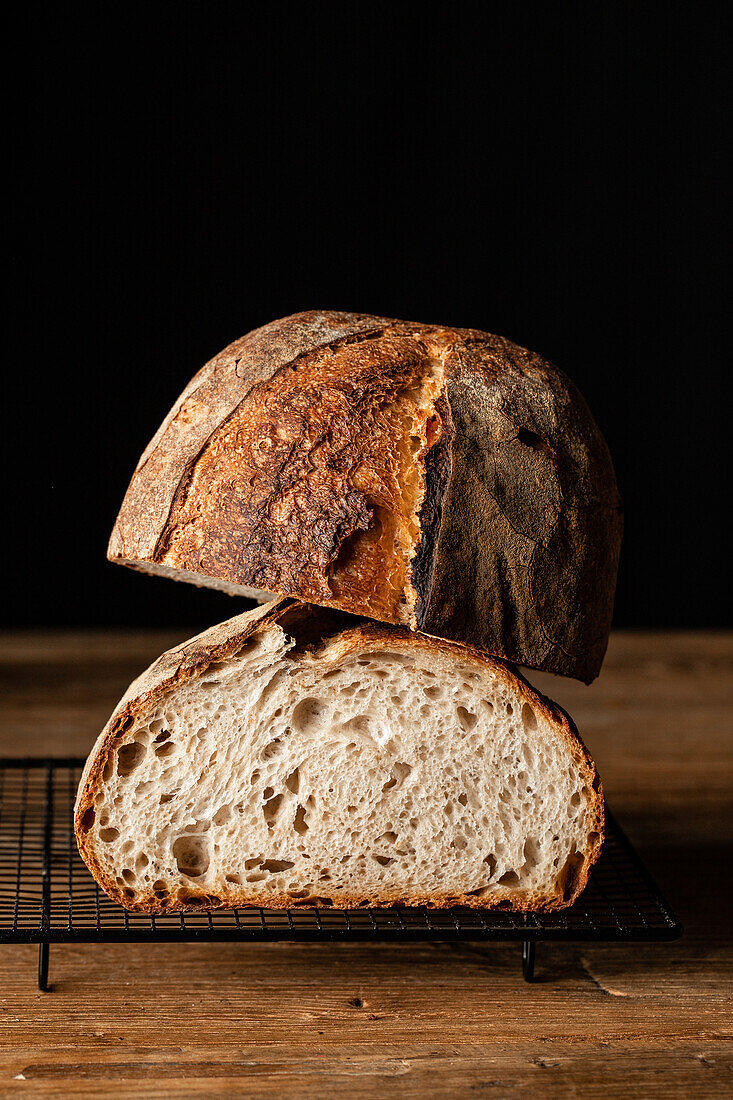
<point>441,479</point>
<point>295,755</point>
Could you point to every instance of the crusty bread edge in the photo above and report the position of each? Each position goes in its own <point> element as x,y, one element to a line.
<point>141,526</point>
<point>192,658</point>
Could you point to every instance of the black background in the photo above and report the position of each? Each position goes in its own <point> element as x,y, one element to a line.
<point>183,173</point>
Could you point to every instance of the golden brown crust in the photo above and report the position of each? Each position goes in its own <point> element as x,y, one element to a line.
<point>191,659</point>
<point>441,478</point>
<point>312,461</point>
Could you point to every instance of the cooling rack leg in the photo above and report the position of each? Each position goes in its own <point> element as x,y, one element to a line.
<point>528,953</point>
<point>43,953</point>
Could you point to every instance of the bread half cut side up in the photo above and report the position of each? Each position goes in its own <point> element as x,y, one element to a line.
<point>295,755</point>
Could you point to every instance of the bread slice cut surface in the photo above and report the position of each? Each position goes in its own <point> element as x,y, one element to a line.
<point>290,757</point>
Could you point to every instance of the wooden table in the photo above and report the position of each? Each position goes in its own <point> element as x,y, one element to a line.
<point>410,1021</point>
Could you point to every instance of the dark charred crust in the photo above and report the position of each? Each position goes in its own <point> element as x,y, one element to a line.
<point>525,564</point>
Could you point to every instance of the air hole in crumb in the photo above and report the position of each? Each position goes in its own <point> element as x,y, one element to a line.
<point>141,862</point>
<point>293,781</point>
<point>191,854</point>
<point>466,718</point>
<point>129,875</point>
<point>490,861</point>
<point>166,749</point>
<point>529,718</point>
<point>383,860</point>
<point>307,714</point>
<point>271,810</point>
<point>129,757</point>
<point>463,799</point>
<point>531,853</point>
<point>273,866</point>
<point>222,815</point>
<point>165,798</point>
<point>108,835</point>
<point>509,878</point>
<point>236,880</point>
<point>163,736</point>
<point>87,819</point>
<point>359,724</point>
<point>398,774</point>
<point>575,800</point>
<point>300,824</point>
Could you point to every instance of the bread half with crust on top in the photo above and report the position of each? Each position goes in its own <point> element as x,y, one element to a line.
<point>437,478</point>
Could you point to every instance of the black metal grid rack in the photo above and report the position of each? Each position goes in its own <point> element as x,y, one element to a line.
<point>48,896</point>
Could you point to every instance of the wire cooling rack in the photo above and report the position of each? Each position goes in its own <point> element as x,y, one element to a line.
<point>48,896</point>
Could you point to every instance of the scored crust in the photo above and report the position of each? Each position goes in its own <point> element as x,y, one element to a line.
<point>192,659</point>
<point>439,478</point>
